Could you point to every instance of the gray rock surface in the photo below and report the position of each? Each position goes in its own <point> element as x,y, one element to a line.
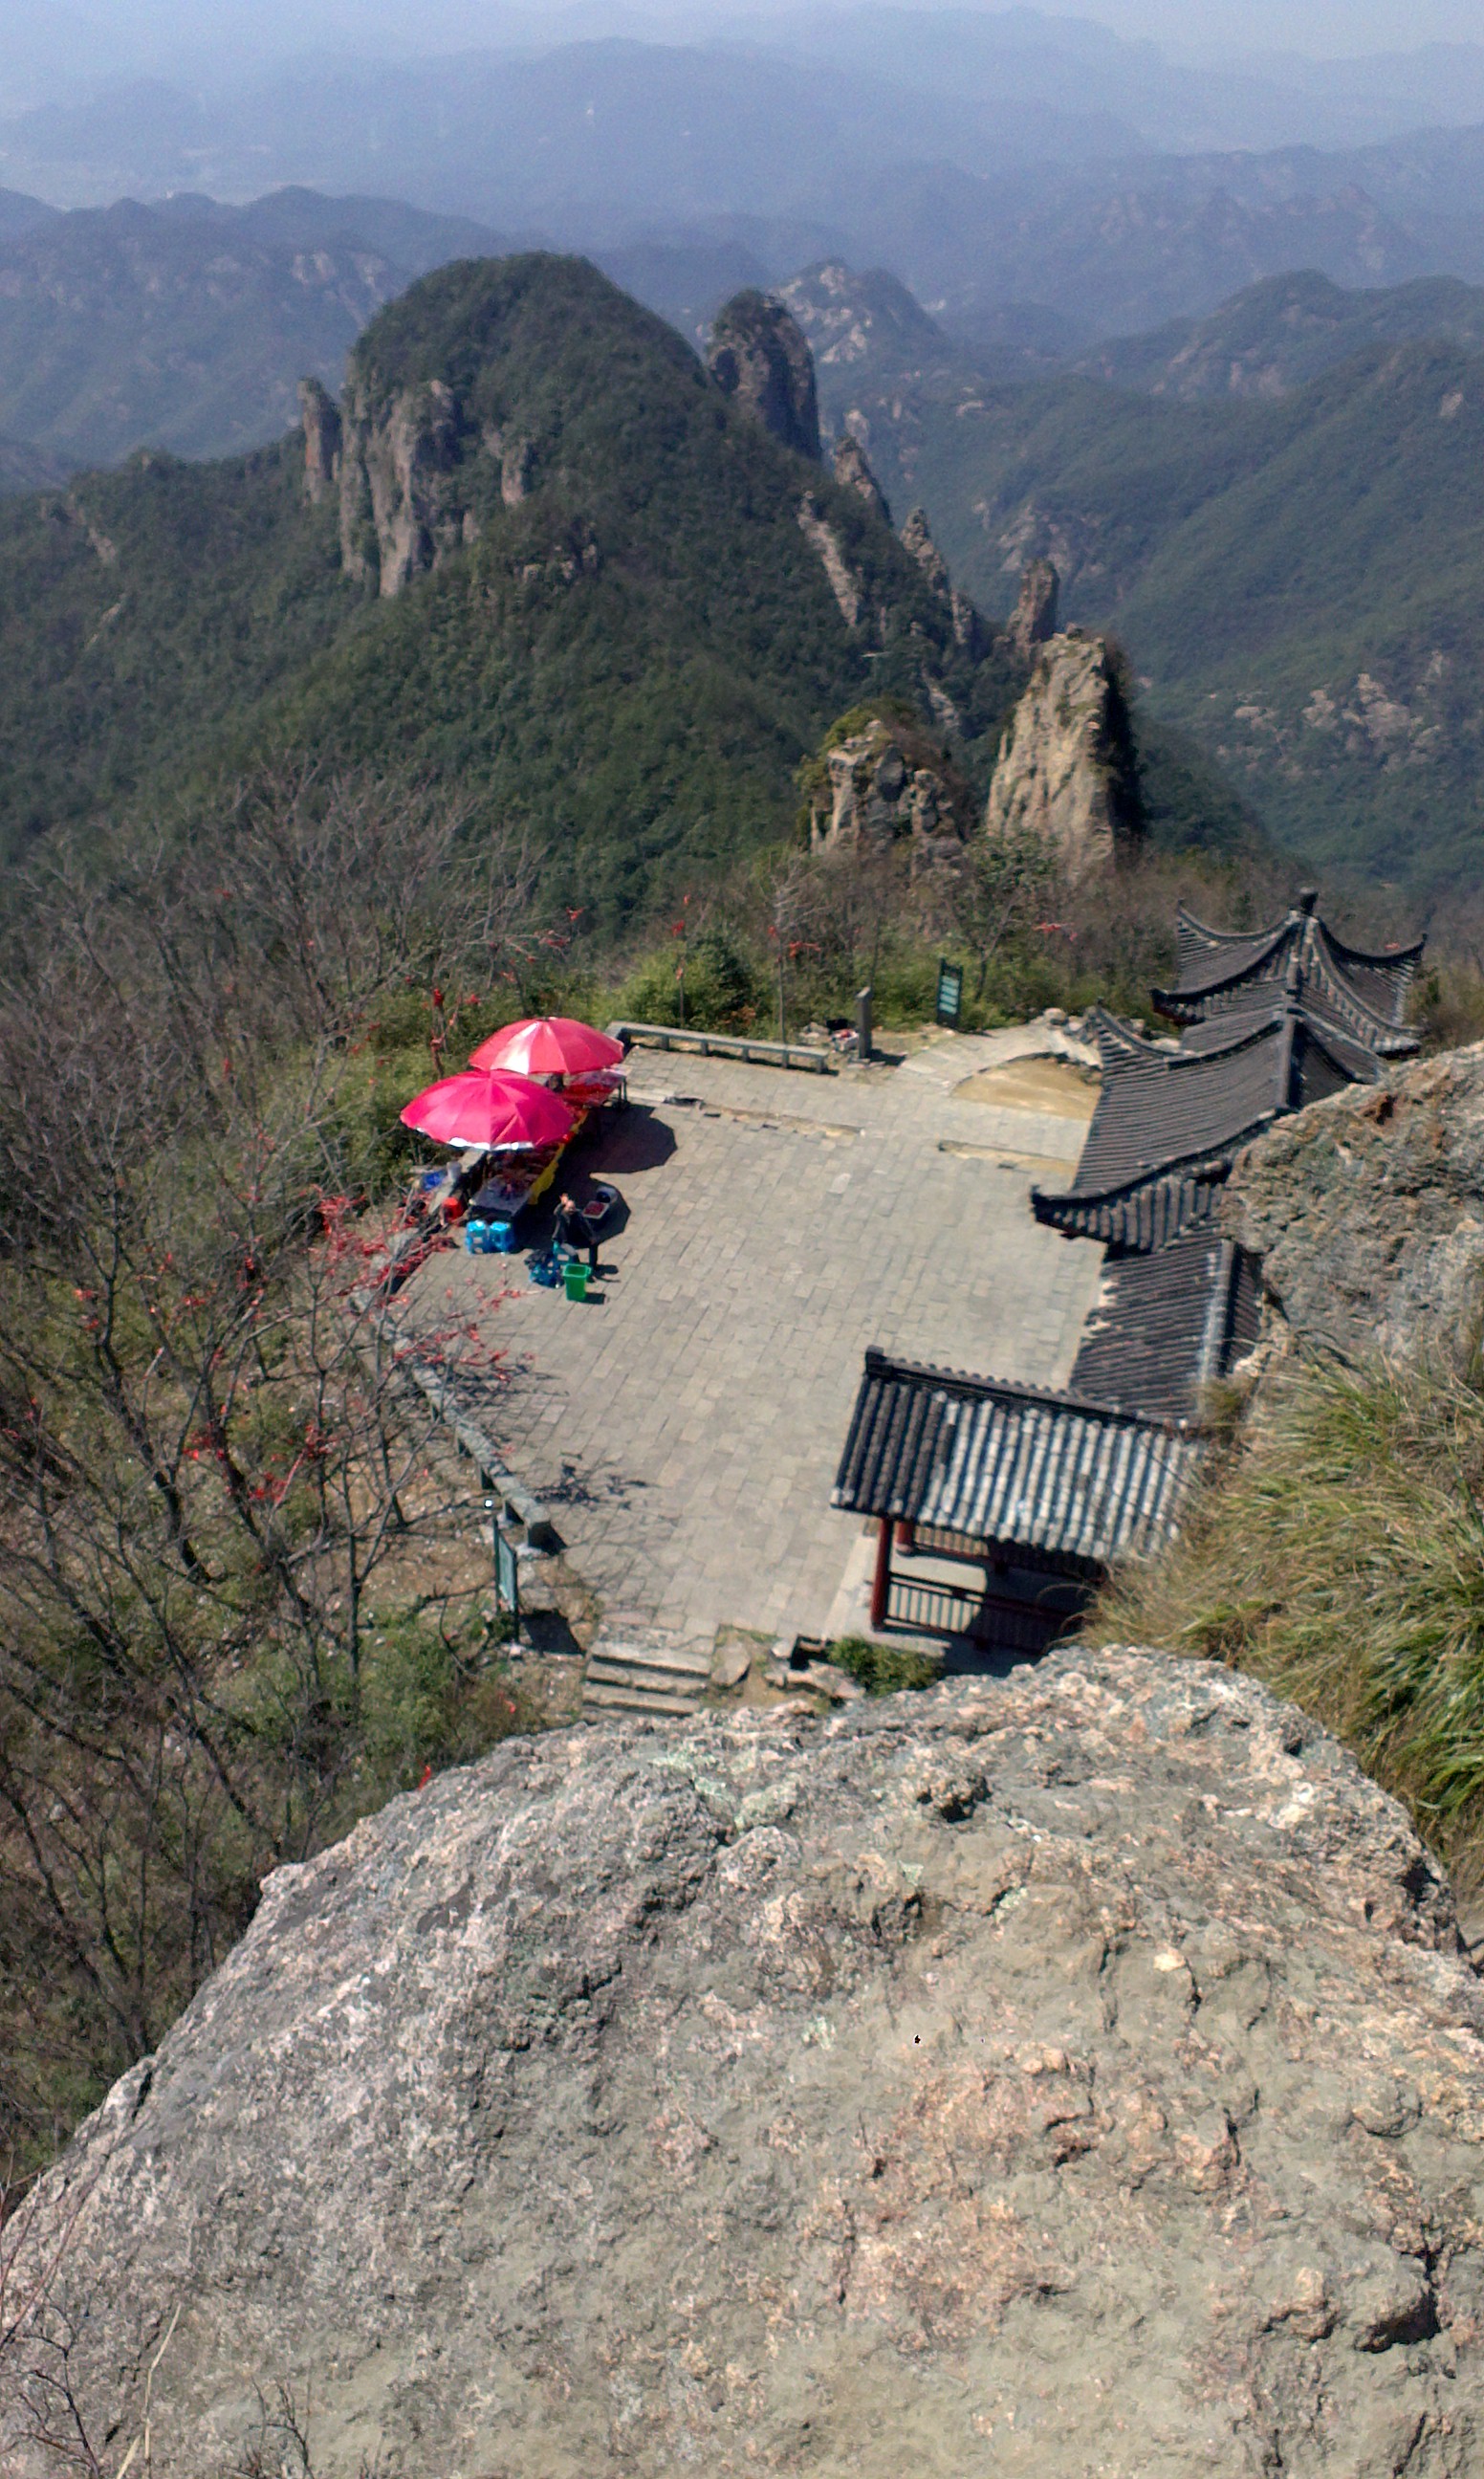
<point>1367,1215</point>
<point>402,495</point>
<point>852,472</point>
<point>1066,2075</point>
<point>1035,616</point>
<point>1066,770</point>
<point>917,538</point>
<point>888,783</point>
<point>969,629</point>
<point>758,354</point>
<point>320,417</point>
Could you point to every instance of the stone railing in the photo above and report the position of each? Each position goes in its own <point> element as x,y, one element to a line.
<point>724,1045</point>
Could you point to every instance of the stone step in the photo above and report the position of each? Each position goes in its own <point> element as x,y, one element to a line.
<point>655,1652</point>
<point>602,1672</point>
<point>598,1698</point>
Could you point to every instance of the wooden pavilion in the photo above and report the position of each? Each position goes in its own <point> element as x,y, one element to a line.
<point>1043,1491</point>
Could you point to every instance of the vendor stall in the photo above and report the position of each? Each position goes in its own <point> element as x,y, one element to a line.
<point>526,1093</point>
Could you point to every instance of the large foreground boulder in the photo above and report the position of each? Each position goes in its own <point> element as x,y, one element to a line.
<point>1076,2074</point>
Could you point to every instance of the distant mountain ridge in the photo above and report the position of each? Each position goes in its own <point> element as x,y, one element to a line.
<point>1277,335</point>
<point>187,324</point>
<point>612,611</point>
<point>986,159</point>
<point>24,466</point>
<point>1295,578</point>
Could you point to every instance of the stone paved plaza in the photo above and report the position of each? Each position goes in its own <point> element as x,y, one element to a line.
<point>685,1423</point>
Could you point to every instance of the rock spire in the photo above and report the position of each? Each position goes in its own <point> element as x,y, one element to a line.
<point>1066,771</point>
<point>758,355</point>
<point>853,473</point>
<point>319,416</point>
<point>1034,617</point>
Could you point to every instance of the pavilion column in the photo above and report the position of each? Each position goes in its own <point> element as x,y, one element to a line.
<point>880,1582</point>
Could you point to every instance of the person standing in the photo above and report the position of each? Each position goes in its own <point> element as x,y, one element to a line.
<point>575,1231</point>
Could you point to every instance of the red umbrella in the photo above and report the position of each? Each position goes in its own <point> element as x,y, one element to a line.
<point>499,1113</point>
<point>549,1045</point>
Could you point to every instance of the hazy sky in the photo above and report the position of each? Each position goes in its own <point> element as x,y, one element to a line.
<point>1312,26</point>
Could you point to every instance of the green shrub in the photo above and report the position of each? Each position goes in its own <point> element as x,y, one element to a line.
<point>430,1696</point>
<point>723,989</point>
<point>884,1669</point>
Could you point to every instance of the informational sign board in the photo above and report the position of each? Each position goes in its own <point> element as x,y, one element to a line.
<point>507,1574</point>
<point>950,992</point>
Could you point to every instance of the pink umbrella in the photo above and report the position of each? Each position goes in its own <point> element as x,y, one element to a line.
<point>549,1045</point>
<point>499,1113</point>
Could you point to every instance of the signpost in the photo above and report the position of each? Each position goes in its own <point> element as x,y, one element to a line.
<point>507,1579</point>
<point>507,1573</point>
<point>950,992</point>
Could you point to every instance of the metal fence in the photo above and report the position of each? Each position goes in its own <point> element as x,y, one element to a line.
<point>992,1620</point>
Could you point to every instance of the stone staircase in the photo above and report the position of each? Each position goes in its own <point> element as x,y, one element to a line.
<point>638,1670</point>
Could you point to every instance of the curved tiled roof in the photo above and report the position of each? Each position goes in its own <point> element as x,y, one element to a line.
<point>1169,1123</point>
<point>1168,1323</point>
<point>1221,968</point>
<point>1011,1465</point>
<point>1161,1107</point>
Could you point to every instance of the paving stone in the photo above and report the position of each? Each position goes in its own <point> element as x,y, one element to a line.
<point>704,1407</point>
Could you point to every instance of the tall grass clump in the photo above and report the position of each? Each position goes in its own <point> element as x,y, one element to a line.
<point>1339,1557</point>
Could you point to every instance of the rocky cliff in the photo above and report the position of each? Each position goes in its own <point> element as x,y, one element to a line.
<point>404,497</point>
<point>758,355</point>
<point>889,782</point>
<point>1366,1212</point>
<point>320,421</point>
<point>854,473</point>
<point>1066,769</point>
<point>1035,616</point>
<point>1065,2073</point>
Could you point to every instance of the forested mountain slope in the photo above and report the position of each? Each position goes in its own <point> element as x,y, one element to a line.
<point>640,611</point>
<point>1276,335</point>
<point>1299,581</point>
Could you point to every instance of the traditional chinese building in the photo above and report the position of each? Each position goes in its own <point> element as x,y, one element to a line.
<point>1043,1490</point>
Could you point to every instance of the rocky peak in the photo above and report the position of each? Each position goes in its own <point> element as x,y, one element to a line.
<point>758,356</point>
<point>917,539</point>
<point>1066,770</point>
<point>969,631</point>
<point>319,416</point>
<point>1034,617</point>
<point>853,473</point>
<point>404,505</point>
<point>883,781</point>
<point>1075,2071</point>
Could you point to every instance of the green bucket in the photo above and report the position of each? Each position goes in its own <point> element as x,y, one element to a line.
<point>574,1276</point>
